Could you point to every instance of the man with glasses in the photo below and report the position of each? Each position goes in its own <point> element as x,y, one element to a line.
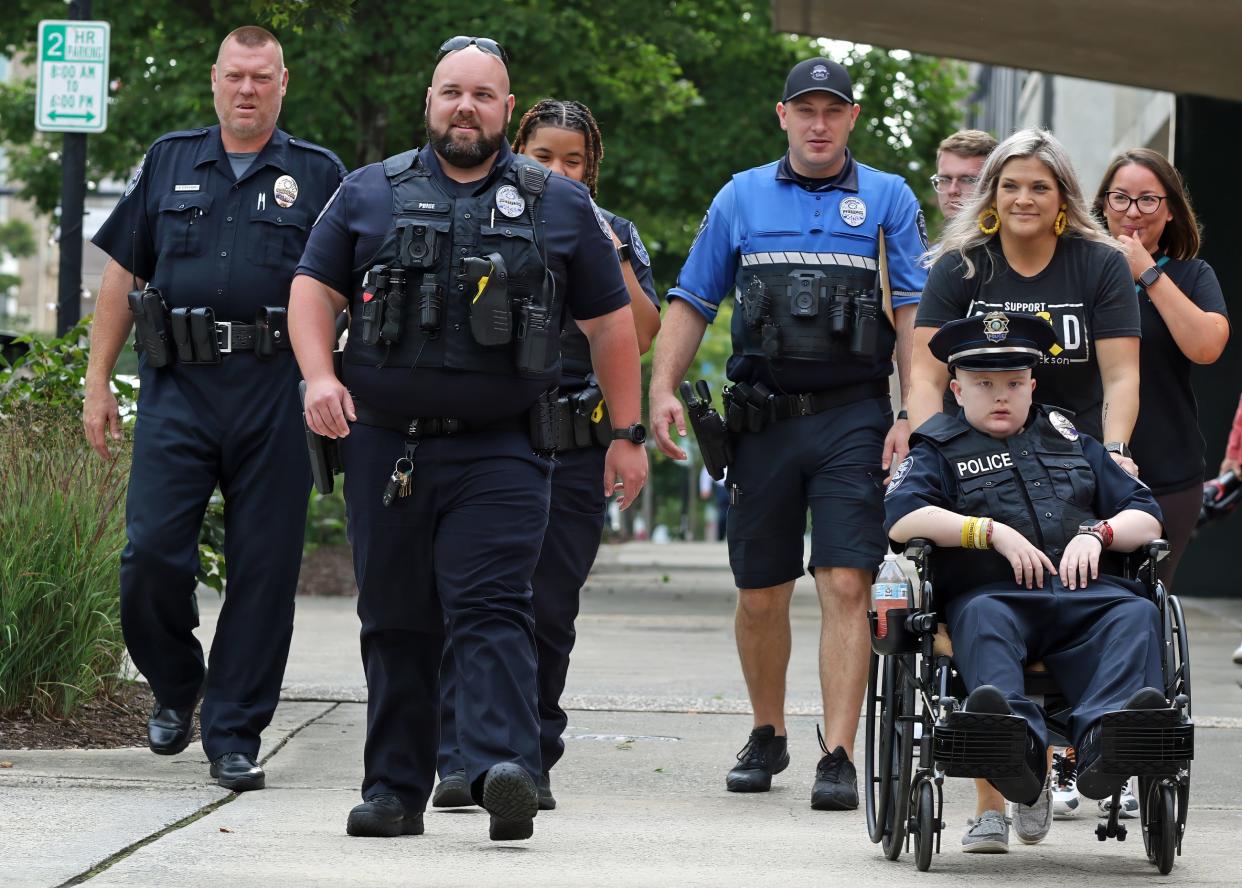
<point>458,262</point>
<point>959,159</point>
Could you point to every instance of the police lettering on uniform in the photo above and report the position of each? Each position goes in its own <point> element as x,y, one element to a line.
<point>806,243</point>
<point>564,137</point>
<point>1028,515</point>
<point>205,241</point>
<point>459,263</point>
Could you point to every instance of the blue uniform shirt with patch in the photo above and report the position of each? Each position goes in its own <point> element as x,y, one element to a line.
<point>203,237</point>
<point>581,261</point>
<point>767,213</point>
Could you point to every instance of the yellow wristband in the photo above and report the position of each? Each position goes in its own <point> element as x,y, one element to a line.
<point>968,535</point>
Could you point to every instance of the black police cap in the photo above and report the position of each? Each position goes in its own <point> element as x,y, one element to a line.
<point>819,75</point>
<point>994,341</point>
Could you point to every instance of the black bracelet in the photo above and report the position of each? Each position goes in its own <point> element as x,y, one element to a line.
<point>902,414</point>
<point>1094,535</point>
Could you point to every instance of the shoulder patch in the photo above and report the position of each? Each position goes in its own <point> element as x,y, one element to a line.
<point>326,206</point>
<point>636,244</point>
<point>900,474</point>
<point>702,227</point>
<point>921,220</point>
<point>603,223</point>
<point>133,182</point>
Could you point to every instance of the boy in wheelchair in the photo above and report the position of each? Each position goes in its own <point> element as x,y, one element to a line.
<point>1047,512</point>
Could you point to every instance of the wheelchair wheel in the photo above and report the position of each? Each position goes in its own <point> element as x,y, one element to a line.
<point>901,756</point>
<point>1160,826</point>
<point>1176,651</point>
<point>924,823</point>
<point>878,770</point>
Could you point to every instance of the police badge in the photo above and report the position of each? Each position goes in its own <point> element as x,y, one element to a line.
<point>1061,423</point>
<point>996,326</point>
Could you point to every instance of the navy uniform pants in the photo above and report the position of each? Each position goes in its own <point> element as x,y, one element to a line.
<point>1101,644</point>
<point>575,525</point>
<point>236,424</point>
<point>454,558</point>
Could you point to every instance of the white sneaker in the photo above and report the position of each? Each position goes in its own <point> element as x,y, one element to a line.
<point>1065,801</point>
<point>1129,804</point>
<point>1237,655</point>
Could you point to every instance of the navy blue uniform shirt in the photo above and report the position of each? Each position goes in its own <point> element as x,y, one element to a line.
<point>581,260</point>
<point>925,478</point>
<point>203,237</point>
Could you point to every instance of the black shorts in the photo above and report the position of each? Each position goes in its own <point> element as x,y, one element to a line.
<point>829,462</point>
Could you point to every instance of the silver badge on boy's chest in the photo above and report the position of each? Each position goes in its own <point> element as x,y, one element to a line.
<point>509,202</point>
<point>1061,423</point>
<point>286,191</point>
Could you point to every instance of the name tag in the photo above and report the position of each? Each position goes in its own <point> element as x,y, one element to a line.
<point>975,466</point>
<point>186,187</point>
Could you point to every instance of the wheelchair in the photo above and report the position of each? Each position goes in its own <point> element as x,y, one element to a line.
<point>917,733</point>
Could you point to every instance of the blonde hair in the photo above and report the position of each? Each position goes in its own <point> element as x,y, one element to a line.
<point>962,234</point>
<point>968,143</point>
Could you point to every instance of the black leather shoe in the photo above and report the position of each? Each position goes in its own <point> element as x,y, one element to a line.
<point>169,730</point>
<point>238,771</point>
<point>836,780</point>
<point>1023,785</point>
<point>510,796</point>
<point>453,791</point>
<point>546,800</point>
<point>763,755</point>
<point>383,817</point>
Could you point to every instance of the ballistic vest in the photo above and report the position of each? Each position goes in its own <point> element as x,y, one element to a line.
<point>431,232</point>
<point>1038,482</point>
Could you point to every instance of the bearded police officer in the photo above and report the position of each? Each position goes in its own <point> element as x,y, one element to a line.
<point>1049,508</point>
<point>801,241</point>
<point>214,222</point>
<point>457,262</point>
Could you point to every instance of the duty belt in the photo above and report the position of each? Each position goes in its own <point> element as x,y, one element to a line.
<point>232,337</point>
<point>750,408</point>
<point>414,427</point>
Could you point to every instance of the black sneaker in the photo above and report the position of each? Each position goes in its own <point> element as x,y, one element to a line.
<point>453,791</point>
<point>763,755</point>
<point>1023,785</point>
<point>510,796</point>
<point>547,802</point>
<point>836,780</point>
<point>383,817</point>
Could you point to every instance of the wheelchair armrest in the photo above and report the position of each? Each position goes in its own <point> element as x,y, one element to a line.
<point>1158,550</point>
<point>917,548</point>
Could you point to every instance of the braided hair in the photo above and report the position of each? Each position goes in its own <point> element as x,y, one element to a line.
<point>568,115</point>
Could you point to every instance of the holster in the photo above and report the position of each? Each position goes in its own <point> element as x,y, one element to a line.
<point>151,333</point>
<point>715,444</point>
<point>549,431</point>
<point>325,453</point>
<point>591,423</point>
<point>491,317</point>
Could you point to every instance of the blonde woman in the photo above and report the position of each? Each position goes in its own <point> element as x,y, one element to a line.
<point>1028,243</point>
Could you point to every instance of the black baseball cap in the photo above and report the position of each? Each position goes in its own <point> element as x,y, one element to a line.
<point>994,341</point>
<point>819,75</point>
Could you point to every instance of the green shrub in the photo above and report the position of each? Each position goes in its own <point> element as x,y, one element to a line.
<point>62,530</point>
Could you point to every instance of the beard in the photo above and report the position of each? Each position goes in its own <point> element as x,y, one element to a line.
<point>459,152</point>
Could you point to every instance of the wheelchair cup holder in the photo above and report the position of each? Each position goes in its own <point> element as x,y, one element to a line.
<point>980,744</point>
<point>899,639</point>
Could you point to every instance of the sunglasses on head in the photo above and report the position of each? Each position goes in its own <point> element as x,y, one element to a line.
<point>461,41</point>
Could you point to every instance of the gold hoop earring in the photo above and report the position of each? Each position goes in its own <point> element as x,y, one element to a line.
<point>1061,222</point>
<point>994,226</point>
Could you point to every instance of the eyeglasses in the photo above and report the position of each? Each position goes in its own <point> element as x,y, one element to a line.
<point>461,41</point>
<point>1119,202</point>
<point>942,183</point>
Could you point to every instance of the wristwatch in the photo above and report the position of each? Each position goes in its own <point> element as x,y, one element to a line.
<point>1101,529</point>
<point>635,434</point>
<point>623,251</point>
<point>1150,276</point>
<point>1119,448</point>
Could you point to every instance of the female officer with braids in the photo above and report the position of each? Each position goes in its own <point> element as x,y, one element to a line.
<point>564,137</point>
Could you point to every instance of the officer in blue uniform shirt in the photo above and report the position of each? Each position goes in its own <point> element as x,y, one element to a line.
<point>1048,508</point>
<point>213,222</point>
<point>799,240</point>
<point>458,263</point>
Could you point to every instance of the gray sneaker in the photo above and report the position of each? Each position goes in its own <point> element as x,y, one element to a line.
<point>1032,822</point>
<point>987,834</point>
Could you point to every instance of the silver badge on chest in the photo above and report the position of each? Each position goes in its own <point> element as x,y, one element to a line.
<point>853,211</point>
<point>286,190</point>
<point>1061,423</point>
<point>509,201</point>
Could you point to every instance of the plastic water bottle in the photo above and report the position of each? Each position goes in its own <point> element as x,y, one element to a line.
<point>890,591</point>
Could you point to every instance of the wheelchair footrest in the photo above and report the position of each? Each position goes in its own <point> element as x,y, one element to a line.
<point>1143,742</point>
<point>980,744</point>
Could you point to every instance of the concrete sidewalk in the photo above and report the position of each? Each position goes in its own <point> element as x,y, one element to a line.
<point>655,692</point>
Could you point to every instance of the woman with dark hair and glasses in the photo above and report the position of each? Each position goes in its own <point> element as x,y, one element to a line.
<point>564,137</point>
<point>1143,202</point>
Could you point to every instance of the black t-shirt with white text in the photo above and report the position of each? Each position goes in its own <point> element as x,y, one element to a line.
<point>1167,443</point>
<point>1085,292</point>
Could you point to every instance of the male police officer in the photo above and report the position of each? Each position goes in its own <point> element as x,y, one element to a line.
<point>800,240</point>
<point>1025,486</point>
<point>447,501</point>
<point>214,220</point>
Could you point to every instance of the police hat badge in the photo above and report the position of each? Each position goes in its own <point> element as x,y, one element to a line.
<point>995,326</point>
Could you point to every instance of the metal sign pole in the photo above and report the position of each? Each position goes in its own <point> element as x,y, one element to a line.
<point>72,209</point>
